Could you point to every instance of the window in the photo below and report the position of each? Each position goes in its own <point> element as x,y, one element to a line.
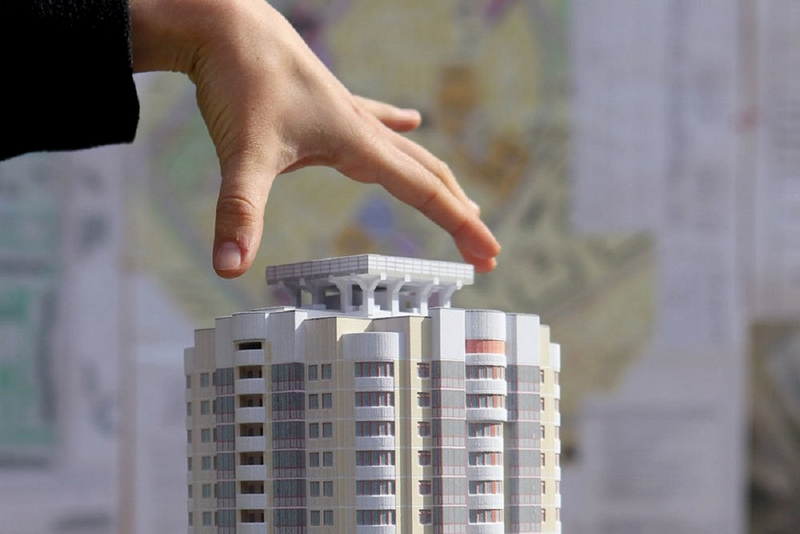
<point>188,464</point>
<point>541,376</point>
<point>375,487</point>
<point>327,401</point>
<point>206,519</point>
<point>375,517</point>
<point>424,457</point>
<point>188,409</point>
<point>312,372</point>
<point>327,459</point>
<point>205,381</point>
<point>313,459</point>
<point>425,517</point>
<point>313,430</point>
<point>206,491</point>
<point>544,487</point>
<point>484,430</point>
<point>374,369</point>
<point>541,431</point>
<point>327,371</point>
<point>424,371</point>
<point>188,381</point>
<point>485,516</point>
<point>483,400</point>
<point>313,401</point>
<point>544,515</point>
<point>542,459</point>
<point>205,435</point>
<point>190,519</point>
<point>205,463</point>
<point>313,487</point>
<point>485,487</point>
<point>371,458</point>
<point>327,430</point>
<point>374,428</point>
<point>189,437</point>
<point>424,487</point>
<point>327,488</point>
<point>374,398</point>
<point>495,372</point>
<point>314,518</point>
<point>190,491</point>
<point>327,517</point>
<point>423,399</point>
<point>205,407</point>
<point>486,458</point>
<point>558,460</point>
<point>541,403</point>
<point>424,429</point>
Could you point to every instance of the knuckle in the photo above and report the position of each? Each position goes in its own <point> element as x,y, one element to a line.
<point>237,207</point>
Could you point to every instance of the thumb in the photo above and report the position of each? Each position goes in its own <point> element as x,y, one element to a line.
<point>240,218</point>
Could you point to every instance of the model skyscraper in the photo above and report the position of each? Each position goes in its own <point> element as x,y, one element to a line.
<point>374,408</point>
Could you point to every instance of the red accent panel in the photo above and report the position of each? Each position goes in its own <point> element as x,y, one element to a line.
<point>485,345</point>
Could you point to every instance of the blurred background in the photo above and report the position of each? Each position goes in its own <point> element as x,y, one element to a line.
<point>639,162</point>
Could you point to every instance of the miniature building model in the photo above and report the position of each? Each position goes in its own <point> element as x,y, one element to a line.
<point>376,408</point>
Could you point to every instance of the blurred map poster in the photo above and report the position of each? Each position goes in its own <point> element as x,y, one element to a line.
<point>29,257</point>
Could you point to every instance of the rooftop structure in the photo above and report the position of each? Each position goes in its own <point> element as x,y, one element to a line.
<point>373,413</point>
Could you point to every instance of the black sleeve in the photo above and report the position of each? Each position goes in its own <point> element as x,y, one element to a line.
<point>66,78</point>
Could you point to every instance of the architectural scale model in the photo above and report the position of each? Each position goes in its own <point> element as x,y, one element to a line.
<point>373,407</point>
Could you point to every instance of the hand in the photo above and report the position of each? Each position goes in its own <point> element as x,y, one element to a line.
<point>272,107</point>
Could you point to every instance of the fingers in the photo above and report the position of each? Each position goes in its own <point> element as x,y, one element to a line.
<point>398,119</point>
<point>378,159</point>
<point>240,218</point>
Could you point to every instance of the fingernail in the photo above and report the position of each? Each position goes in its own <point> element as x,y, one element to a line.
<point>228,257</point>
<point>411,113</point>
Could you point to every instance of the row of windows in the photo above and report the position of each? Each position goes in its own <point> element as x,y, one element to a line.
<point>375,487</point>
<point>383,458</point>
<point>327,459</point>
<point>483,400</point>
<point>314,517</point>
<point>313,430</point>
<point>485,516</point>
<point>374,369</point>
<point>495,372</point>
<point>486,458</point>
<point>485,487</point>
<point>313,401</point>
<point>374,398</point>
<point>326,371</point>
<point>327,488</point>
<point>375,517</point>
<point>485,430</point>
<point>374,428</point>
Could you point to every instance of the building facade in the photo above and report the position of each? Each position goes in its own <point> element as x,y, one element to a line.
<point>374,407</point>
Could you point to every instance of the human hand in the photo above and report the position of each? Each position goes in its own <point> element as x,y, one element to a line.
<point>272,107</point>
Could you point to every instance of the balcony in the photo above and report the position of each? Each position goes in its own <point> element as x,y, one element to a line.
<point>381,443</point>
<point>485,472</point>
<point>375,529</point>
<point>375,472</point>
<point>250,386</point>
<point>485,502</point>
<point>251,414</point>
<point>251,443</point>
<point>251,472</point>
<point>251,528</point>
<point>485,358</point>
<point>375,502</point>
<point>485,444</point>
<point>251,501</point>
<point>487,414</point>
<point>249,357</point>
<point>486,385</point>
<point>379,383</point>
<point>374,413</point>
<point>484,528</point>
